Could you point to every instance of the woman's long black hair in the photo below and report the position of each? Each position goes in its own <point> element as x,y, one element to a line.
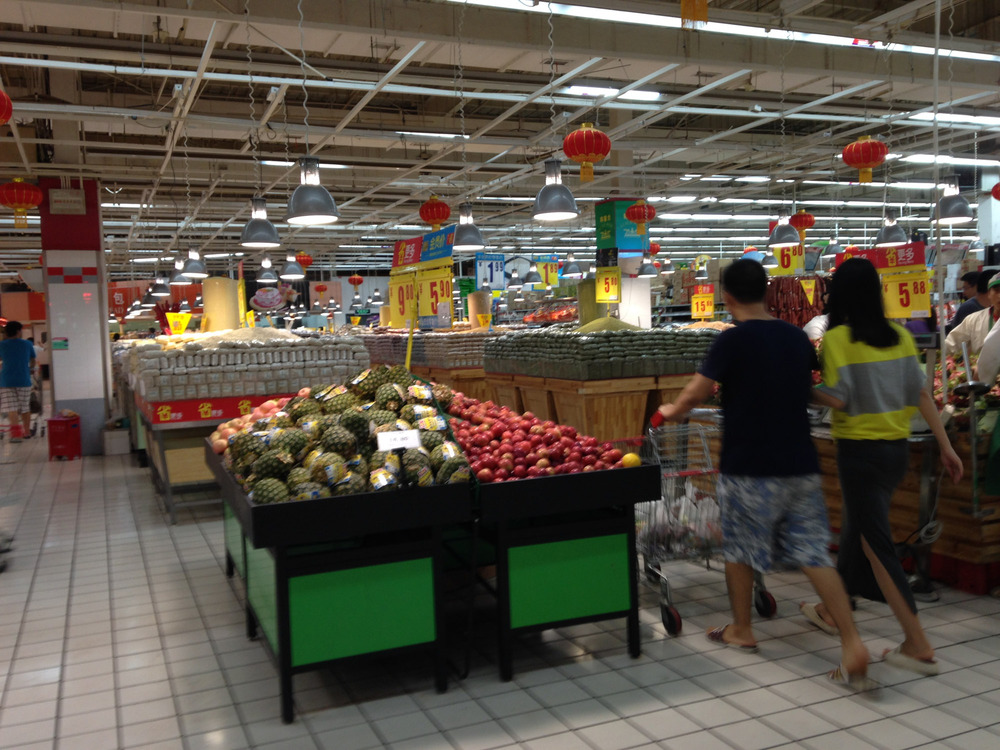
<point>856,301</point>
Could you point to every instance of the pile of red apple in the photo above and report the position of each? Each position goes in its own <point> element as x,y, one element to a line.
<point>502,445</point>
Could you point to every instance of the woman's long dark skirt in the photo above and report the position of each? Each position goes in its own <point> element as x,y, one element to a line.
<point>870,471</point>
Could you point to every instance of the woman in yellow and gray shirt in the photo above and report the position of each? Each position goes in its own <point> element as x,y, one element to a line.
<point>874,382</point>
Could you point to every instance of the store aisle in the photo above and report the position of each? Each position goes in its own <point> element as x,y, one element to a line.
<point>120,631</point>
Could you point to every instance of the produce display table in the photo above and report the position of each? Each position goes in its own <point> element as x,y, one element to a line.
<point>504,391</point>
<point>173,433</point>
<point>333,578</point>
<point>565,551</point>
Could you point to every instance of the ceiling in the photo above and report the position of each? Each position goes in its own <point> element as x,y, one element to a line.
<point>173,104</point>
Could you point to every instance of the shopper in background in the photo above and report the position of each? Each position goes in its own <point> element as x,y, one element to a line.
<point>769,485</point>
<point>873,380</point>
<point>18,362</point>
<point>974,289</point>
<point>974,328</point>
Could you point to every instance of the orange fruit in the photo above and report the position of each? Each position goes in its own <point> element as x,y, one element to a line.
<point>631,459</point>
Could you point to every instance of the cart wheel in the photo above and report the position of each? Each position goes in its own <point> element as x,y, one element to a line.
<point>765,603</point>
<point>671,618</point>
<point>652,571</point>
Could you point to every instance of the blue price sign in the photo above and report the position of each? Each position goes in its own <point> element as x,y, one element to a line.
<point>489,270</point>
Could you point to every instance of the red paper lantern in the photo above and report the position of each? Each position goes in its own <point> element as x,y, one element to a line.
<point>321,288</point>
<point>802,221</point>
<point>435,212</point>
<point>585,146</point>
<point>304,259</point>
<point>20,196</point>
<point>750,249</point>
<point>654,248</point>
<point>355,281</point>
<point>640,213</point>
<point>864,155</point>
<point>996,191</point>
<point>6,108</point>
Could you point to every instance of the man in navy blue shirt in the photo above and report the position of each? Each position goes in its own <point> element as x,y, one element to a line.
<point>769,488</point>
<point>18,362</point>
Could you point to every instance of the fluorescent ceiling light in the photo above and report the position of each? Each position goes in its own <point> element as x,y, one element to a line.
<point>635,94</point>
<point>682,199</point>
<point>954,160</point>
<point>978,120</point>
<point>753,178</point>
<point>222,255</point>
<point>716,178</point>
<point>279,163</point>
<point>126,205</point>
<point>419,134</point>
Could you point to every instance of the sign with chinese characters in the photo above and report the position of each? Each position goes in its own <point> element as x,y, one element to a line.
<point>432,248</point>
<point>178,321</point>
<point>199,409</point>
<point>489,270</point>
<point>703,301</point>
<point>609,285</point>
<point>909,257</point>
<point>613,229</point>
<point>407,252</point>
<point>809,287</point>
<point>907,295</point>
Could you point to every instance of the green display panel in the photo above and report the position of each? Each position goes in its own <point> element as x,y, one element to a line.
<point>262,592</point>
<point>361,610</point>
<point>233,533</point>
<point>614,230</point>
<point>565,580</point>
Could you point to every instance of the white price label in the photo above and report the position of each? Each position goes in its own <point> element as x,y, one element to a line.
<point>489,270</point>
<point>390,441</point>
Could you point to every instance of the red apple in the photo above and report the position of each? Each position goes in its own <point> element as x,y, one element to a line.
<point>485,476</point>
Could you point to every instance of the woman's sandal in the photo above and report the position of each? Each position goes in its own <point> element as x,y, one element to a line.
<point>857,682</point>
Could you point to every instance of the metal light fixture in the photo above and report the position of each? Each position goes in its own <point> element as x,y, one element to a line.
<point>267,274</point>
<point>291,271</point>
<point>571,269</point>
<point>701,272</point>
<point>259,232</point>
<point>549,294</point>
<point>648,271</point>
<point>532,276</point>
<point>554,201</point>
<point>185,307</point>
<point>519,297</point>
<point>515,280</point>
<point>952,209</point>
<point>177,277</point>
<point>769,261</point>
<point>666,266</point>
<point>148,300</point>
<point>159,288</point>
<point>194,266</point>
<point>311,203</point>
<point>784,234</point>
<point>356,301</point>
<point>891,234</point>
<point>467,234</point>
<point>377,298</point>
<point>832,249</point>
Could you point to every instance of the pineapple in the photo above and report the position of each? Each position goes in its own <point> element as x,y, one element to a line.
<point>381,416</point>
<point>357,423</point>
<point>353,484</point>
<point>340,440</point>
<point>293,441</point>
<point>453,470</point>
<point>340,402</point>
<point>297,476</point>
<point>443,452</point>
<point>274,464</point>
<point>431,439</point>
<point>442,394</point>
<point>328,469</point>
<point>389,396</point>
<point>399,375</point>
<point>269,490</point>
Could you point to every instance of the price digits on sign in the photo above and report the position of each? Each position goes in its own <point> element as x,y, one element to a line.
<point>440,292</point>
<point>788,257</point>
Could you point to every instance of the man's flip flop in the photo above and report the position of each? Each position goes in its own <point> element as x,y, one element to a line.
<point>810,613</point>
<point>716,635</point>
<point>896,658</point>
<point>857,682</point>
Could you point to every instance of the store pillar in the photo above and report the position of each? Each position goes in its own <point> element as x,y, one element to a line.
<point>989,209</point>
<point>76,297</point>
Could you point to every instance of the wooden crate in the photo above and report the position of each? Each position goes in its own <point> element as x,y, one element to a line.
<point>469,380</point>
<point>666,391</point>
<point>607,409</point>
<point>503,390</point>
<point>536,397</point>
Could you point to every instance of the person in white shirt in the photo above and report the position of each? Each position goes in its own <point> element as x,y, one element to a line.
<point>975,327</point>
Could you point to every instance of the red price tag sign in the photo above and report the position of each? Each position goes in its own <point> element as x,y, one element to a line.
<point>791,261</point>
<point>907,295</point>
<point>609,285</point>
<point>433,287</point>
<point>703,301</point>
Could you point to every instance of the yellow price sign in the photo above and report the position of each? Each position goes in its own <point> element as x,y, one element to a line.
<point>251,319</point>
<point>703,301</point>
<point>355,320</point>
<point>907,295</point>
<point>178,322</point>
<point>484,319</point>
<point>433,287</point>
<point>609,285</point>
<point>809,287</point>
<point>549,273</point>
<point>791,261</point>
<point>402,299</point>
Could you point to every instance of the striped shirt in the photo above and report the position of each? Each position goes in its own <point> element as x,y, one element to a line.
<point>879,387</point>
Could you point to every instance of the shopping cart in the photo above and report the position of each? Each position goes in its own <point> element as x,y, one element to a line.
<point>36,407</point>
<point>685,523</point>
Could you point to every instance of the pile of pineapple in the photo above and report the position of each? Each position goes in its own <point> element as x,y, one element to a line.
<point>324,444</point>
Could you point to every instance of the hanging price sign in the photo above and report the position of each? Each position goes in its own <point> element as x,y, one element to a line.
<point>906,295</point>
<point>809,287</point>
<point>178,322</point>
<point>433,287</point>
<point>791,261</point>
<point>703,301</point>
<point>402,299</point>
<point>548,269</point>
<point>489,271</point>
<point>609,285</point>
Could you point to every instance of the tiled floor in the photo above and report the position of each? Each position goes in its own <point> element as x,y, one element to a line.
<point>118,630</point>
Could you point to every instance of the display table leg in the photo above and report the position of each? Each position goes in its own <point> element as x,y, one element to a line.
<point>632,621</point>
<point>230,566</point>
<point>440,640</point>
<point>168,494</point>
<point>504,648</point>
<point>284,636</point>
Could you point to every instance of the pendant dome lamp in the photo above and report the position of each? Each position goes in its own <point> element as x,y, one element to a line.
<point>377,298</point>
<point>769,261</point>
<point>467,234</point>
<point>784,234</point>
<point>177,277</point>
<point>666,266</point>
<point>356,301</point>
<point>148,300</point>
<point>185,307</point>
<point>311,204</point>
<point>532,276</point>
<point>159,288</point>
<point>292,270</point>
<point>519,297</point>
<point>952,209</point>
<point>267,274</point>
<point>194,266</point>
<point>515,280</point>
<point>572,270</point>
<point>259,232</point>
<point>648,271</point>
<point>891,234</point>
<point>554,201</point>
